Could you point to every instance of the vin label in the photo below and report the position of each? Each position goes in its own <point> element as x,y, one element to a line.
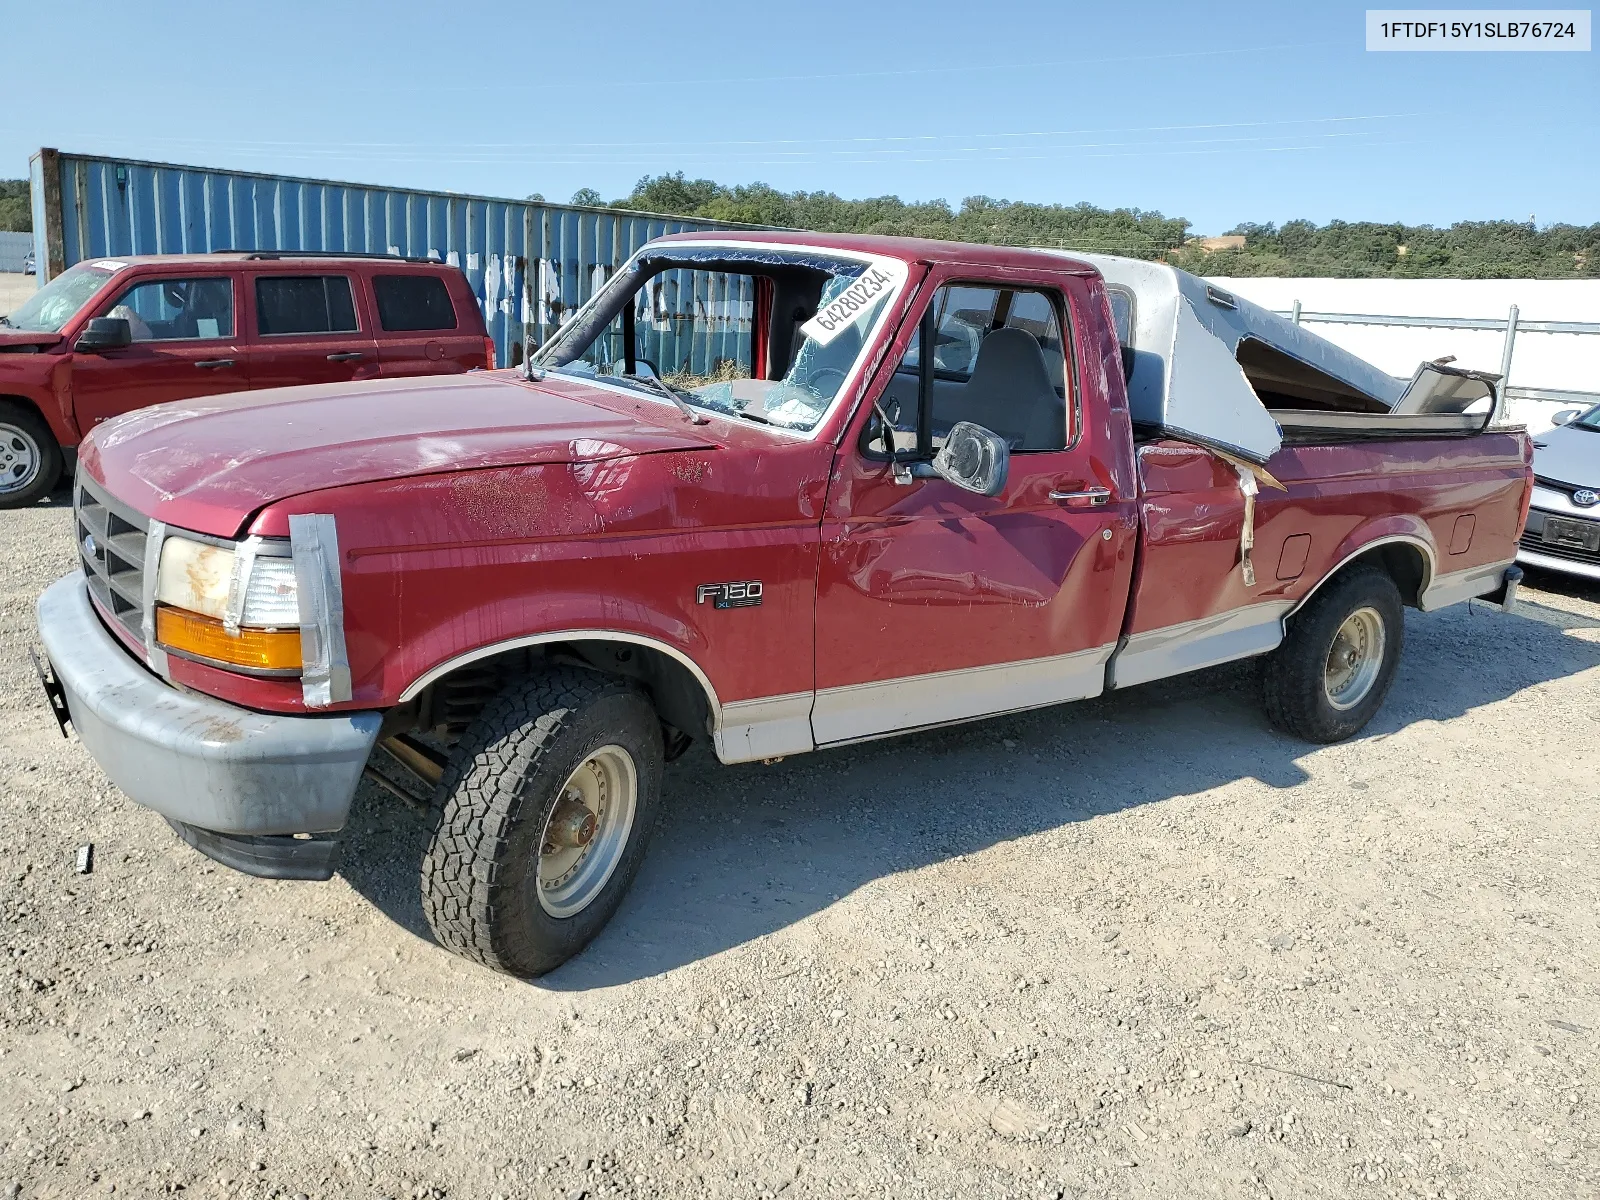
<point>1480,29</point>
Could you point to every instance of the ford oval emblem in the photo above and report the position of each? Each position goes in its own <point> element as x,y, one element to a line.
<point>1586,497</point>
<point>91,548</point>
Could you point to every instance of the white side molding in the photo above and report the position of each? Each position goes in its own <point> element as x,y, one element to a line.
<point>770,727</point>
<point>1445,590</point>
<point>1191,645</point>
<point>867,710</point>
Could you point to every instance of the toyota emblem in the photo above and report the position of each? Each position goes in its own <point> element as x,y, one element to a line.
<point>1586,497</point>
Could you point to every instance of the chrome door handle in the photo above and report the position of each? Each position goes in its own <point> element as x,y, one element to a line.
<point>1092,498</point>
<point>211,364</point>
<point>345,356</point>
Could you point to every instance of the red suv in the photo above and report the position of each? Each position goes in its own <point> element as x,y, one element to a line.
<point>113,334</point>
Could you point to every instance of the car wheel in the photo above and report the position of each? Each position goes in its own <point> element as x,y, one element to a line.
<point>542,818</point>
<point>1337,661</point>
<point>30,459</point>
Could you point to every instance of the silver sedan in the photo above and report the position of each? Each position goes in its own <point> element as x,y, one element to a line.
<point>1563,532</point>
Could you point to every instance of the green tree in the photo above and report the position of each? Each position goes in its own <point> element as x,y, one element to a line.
<point>16,209</point>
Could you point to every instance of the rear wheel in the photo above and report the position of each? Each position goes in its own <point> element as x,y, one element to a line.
<point>30,458</point>
<point>542,820</point>
<point>1337,661</point>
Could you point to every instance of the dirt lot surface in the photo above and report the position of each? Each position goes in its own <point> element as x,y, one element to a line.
<point>15,290</point>
<point>1140,946</point>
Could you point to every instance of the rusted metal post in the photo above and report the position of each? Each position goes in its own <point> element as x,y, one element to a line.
<point>45,170</point>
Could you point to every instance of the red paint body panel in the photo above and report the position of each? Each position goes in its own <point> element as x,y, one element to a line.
<point>1342,496</point>
<point>74,392</point>
<point>224,469</point>
<point>480,509</point>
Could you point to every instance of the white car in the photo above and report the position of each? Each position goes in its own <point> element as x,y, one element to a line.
<point>1563,532</point>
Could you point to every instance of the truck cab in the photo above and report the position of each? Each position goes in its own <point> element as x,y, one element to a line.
<point>777,492</point>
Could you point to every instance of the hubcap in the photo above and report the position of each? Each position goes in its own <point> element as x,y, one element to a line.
<point>1354,659</point>
<point>19,458</point>
<point>587,831</point>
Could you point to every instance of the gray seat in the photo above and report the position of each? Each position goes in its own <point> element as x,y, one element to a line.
<point>1009,392</point>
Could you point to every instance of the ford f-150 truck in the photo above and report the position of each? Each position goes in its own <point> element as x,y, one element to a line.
<point>778,491</point>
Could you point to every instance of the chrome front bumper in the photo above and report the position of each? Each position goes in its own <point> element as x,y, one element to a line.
<point>197,761</point>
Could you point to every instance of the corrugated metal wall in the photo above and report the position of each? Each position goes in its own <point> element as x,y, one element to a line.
<point>529,263</point>
<point>14,250</point>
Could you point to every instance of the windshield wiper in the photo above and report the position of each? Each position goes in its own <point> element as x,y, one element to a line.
<point>671,393</point>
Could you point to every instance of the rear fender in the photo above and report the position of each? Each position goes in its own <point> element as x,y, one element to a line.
<point>1401,543</point>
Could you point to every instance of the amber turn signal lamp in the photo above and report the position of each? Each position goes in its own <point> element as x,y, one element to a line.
<point>204,637</point>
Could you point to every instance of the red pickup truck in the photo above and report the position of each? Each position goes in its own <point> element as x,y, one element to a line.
<point>778,491</point>
<point>113,334</point>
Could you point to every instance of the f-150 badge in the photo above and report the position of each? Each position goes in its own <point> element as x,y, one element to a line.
<point>730,595</point>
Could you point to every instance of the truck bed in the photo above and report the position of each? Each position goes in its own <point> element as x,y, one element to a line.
<point>1444,512</point>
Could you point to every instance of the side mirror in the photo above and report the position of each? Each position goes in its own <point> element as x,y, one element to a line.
<point>104,333</point>
<point>1566,416</point>
<point>974,459</point>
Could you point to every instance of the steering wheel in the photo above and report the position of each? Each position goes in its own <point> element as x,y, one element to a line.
<point>812,384</point>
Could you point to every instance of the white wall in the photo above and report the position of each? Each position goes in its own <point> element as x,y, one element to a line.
<point>1545,360</point>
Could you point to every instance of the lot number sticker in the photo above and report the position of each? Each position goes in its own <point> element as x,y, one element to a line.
<point>855,302</point>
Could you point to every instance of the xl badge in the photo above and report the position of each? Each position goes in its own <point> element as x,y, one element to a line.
<point>729,595</point>
<point>1585,498</point>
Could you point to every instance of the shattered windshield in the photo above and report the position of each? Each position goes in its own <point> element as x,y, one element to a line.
<point>58,301</point>
<point>769,335</point>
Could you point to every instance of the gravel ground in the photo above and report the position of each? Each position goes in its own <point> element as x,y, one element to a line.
<point>15,290</point>
<point>1142,945</point>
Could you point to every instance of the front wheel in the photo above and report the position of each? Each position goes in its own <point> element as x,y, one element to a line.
<point>30,458</point>
<point>1334,668</point>
<point>543,817</point>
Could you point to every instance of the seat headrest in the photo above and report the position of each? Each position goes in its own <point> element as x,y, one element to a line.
<point>1011,361</point>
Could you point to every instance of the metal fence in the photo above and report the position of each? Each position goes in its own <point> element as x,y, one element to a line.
<point>529,262</point>
<point>14,251</point>
<point>1509,327</point>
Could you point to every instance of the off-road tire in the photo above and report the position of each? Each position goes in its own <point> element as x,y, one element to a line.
<point>1292,676</point>
<point>480,873</point>
<point>48,470</point>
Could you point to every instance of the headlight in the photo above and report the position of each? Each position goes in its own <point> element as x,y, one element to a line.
<point>235,607</point>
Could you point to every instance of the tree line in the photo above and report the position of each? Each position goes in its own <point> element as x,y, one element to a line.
<point>16,212</point>
<point>1465,250</point>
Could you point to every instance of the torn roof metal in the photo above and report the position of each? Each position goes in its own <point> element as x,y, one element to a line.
<point>1186,380</point>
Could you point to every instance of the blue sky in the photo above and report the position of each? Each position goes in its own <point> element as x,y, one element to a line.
<point>1226,113</point>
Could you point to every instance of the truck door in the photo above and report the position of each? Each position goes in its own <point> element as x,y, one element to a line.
<point>308,329</point>
<point>185,344</point>
<point>935,604</point>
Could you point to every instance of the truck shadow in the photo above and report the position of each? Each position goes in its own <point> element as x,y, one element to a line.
<point>741,852</point>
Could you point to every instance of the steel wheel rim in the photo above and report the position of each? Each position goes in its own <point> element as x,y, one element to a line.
<point>19,459</point>
<point>1354,659</point>
<point>569,877</point>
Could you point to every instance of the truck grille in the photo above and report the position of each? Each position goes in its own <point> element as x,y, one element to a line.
<point>111,541</point>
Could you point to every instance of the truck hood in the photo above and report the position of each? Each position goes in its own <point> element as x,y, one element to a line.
<point>208,464</point>
<point>23,339</point>
<point>1568,455</point>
